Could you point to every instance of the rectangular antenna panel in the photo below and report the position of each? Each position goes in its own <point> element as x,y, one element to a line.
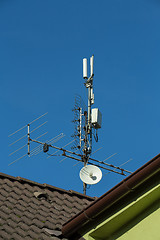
<point>91,66</point>
<point>85,68</point>
<point>96,118</point>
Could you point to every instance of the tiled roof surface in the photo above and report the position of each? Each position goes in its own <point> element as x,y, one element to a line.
<point>33,211</point>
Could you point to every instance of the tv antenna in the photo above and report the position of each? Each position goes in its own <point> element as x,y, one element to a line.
<point>87,122</point>
<point>22,137</point>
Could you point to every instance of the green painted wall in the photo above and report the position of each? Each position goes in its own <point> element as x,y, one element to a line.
<point>145,226</point>
<point>138,220</point>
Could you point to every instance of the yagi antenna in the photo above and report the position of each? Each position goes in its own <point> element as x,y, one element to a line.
<point>37,149</point>
<point>87,121</point>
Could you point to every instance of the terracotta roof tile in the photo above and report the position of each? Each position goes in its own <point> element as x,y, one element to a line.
<point>24,216</point>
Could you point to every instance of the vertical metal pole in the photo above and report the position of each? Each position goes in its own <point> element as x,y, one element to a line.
<point>80,127</point>
<point>88,122</point>
<point>84,188</point>
<point>85,157</point>
<point>89,119</point>
<point>28,139</point>
<point>85,150</point>
<point>84,184</point>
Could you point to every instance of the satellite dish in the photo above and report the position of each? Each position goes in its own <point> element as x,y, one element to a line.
<point>90,174</point>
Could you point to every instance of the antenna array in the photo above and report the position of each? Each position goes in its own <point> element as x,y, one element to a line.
<point>79,123</point>
<point>37,149</point>
<point>87,121</point>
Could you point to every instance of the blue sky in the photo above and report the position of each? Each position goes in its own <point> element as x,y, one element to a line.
<point>42,44</point>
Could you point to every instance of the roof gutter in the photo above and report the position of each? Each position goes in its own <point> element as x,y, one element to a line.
<point>112,196</point>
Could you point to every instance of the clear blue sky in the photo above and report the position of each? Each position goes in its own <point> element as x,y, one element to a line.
<point>42,44</point>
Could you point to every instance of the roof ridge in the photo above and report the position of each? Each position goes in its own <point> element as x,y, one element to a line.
<point>45,185</point>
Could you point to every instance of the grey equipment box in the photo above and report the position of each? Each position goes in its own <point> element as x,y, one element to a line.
<point>96,118</point>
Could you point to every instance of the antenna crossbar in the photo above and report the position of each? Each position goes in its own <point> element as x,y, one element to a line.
<point>111,170</point>
<point>81,160</point>
<point>110,165</point>
<point>51,141</point>
<point>58,148</point>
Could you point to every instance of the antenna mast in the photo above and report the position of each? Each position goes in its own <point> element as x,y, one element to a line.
<point>87,150</point>
<point>89,85</point>
<point>87,120</point>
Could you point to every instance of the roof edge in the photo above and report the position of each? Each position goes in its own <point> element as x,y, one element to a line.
<point>112,196</point>
<point>44,185</point>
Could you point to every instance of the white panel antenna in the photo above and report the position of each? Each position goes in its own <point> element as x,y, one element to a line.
<point>91,66</point>
<point>85,68</point>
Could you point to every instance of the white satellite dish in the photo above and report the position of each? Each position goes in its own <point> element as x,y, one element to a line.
<point>90,174</point>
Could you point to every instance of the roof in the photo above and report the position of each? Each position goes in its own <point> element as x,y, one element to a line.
<point>133,184</point>
<point>29,210</point>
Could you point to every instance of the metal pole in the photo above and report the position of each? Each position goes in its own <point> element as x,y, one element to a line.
<point>80,127</point>
<point>88,122</point>
<point>84,184</point>
<point>86,135</point>
<point>84,188</point>
<point>89,119</point>
<point>28,139</point>
<point>88,131</point>
<point>85,157</point>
